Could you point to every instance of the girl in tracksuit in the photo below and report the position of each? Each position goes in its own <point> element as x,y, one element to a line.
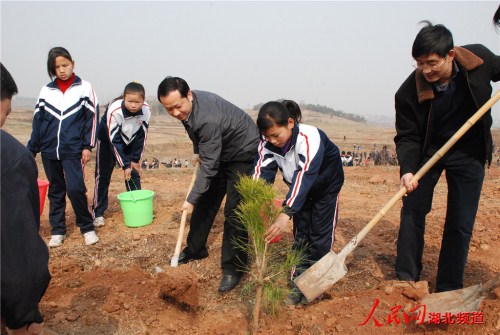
<point>312,167</point>
<point>64,131</point>
<point>122,136</point>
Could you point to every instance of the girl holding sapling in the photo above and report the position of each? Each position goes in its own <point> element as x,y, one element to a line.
<point>311,166</point>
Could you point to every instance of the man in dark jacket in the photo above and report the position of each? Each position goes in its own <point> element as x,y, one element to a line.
<point>449,85</point>
<point>24,255</point>
<point>225,141</point>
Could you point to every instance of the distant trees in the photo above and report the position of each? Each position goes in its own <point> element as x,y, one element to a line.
<point>325,110</point>
<point>330,111</point>
<point>157,109</point>
<point>257,106</point>
<point>155,106</point>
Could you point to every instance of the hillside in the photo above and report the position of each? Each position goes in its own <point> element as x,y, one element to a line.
<point>124,285</point>
<point>166,129</point>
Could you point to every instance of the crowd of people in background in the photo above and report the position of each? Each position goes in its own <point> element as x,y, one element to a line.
<point>383,157</point>
<point>375,157</point>
<point>155,163</point>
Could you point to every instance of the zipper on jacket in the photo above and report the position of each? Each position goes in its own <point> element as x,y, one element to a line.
<point>485,133</point>
<point>470,89</point>
<point>428,132</point>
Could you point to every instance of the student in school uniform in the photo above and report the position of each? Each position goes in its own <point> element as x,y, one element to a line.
<point>64,132</point>
<point>122,137</point>
<point>311,166</point>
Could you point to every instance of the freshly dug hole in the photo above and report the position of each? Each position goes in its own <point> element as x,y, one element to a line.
<point>179,287</point>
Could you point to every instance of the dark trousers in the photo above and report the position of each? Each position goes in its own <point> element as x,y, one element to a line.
<point>105,164</point>
<point>314,229</point>
<point>233,259</point>
<point>67,177</point>
<point>464,176</point>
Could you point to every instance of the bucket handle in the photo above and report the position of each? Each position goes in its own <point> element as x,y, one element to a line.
<point>128,180</point>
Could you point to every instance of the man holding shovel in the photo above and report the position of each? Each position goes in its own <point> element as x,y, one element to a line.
<point>225,141</point>
<point>448,86</point>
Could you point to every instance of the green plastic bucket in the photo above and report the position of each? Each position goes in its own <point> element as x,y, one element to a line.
<point>137,207</point>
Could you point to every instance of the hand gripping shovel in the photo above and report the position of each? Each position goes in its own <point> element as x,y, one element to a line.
<point>175,259</point>
<point>465,300</point>
<point>331,268</point>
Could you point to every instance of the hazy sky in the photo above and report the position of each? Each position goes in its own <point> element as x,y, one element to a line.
<point>350,55</point>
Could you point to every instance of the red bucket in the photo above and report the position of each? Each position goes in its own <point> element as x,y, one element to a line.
<point>43,185</point>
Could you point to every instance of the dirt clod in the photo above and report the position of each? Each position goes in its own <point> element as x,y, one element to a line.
<point>417,291</point>
<point>179,287</point>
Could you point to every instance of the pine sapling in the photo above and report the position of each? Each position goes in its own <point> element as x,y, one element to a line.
<point>269,264</point>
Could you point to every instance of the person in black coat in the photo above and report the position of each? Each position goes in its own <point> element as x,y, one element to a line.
<point>449,85</point>
<point>24,256</point>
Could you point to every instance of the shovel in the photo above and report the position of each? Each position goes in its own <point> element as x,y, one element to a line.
<point>465,300</point>
<point>331,267</point>
<point>175,259</point>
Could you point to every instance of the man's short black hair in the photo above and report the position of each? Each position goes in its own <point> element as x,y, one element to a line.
<point>172,84</point>
<point>432,39</point>
<point>8,87</point>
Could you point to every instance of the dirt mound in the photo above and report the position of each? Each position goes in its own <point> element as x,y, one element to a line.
<point>180,287</point>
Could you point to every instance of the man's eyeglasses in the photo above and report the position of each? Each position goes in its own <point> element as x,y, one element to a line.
<point>432,67</point>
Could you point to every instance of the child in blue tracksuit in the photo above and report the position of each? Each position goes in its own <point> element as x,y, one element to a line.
<point>312,167</point>
<point>122,137</point>
<point>64,131</point>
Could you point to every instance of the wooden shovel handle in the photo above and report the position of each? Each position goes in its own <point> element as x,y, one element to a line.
<point>180,237</point>
<point>193,178</point>
<point>492,283</point>
<point>423,170</point>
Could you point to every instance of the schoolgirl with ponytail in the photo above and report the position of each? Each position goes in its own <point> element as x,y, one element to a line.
<point>121,139</point>
<point>311,166</point>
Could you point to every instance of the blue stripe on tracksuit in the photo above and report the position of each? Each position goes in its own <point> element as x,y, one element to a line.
<point>121,139</point>
<point>312,168</point>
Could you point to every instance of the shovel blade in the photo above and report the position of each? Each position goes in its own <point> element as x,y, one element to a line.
<point>321,276</point>
<point>464,300</point>
<point>174,262</point>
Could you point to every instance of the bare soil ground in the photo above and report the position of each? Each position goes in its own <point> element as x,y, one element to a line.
<point>124,284</point>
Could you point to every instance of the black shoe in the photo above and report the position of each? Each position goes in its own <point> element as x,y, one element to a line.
<point>186,256</point>
<point>294,297</point>
<point>228,282</point>
<point>304,300</point>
